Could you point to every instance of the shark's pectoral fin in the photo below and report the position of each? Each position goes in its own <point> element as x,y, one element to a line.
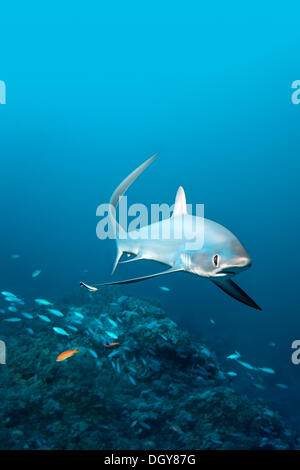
<point>228,286</point>
<point>136,279</point>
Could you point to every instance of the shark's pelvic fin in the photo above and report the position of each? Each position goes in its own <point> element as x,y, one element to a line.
<point>228,286</point>
<point>139,279</point>
<point>180,203</point>
<point>135,258</point>
<point>119,255</point>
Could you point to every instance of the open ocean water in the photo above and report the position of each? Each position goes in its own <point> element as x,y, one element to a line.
<point>91,93</point>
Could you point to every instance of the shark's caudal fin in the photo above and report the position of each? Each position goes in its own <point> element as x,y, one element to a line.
<point>119,231</point>
<point>236,292</point>
<point>130,281</point>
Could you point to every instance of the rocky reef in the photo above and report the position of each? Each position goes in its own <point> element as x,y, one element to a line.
<point>157,389</point>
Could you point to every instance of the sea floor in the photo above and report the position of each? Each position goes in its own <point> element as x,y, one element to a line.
<point>156,389</point>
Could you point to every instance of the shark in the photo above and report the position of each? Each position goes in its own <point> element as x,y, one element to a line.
<point>218,256</point>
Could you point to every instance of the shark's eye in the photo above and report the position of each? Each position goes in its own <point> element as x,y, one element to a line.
<point>216,260</point>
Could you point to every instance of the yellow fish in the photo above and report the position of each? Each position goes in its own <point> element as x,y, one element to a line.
<point>66,354</point>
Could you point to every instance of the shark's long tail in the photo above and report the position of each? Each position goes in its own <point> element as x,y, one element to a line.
<point>118,230</point>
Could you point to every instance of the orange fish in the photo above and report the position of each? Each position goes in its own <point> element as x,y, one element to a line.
<point>112,345</point>
<point>66,355</point>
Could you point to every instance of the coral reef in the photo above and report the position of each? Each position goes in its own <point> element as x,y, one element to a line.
<point>157,390</point>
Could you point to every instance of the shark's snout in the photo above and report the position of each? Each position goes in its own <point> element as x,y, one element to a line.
<point>244,263</point>
<point>238,265</point>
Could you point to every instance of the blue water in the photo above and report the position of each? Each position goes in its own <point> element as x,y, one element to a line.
<point>92,93</point>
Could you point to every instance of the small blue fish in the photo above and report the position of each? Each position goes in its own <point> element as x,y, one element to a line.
<point>283,386</point>
<point>27,315</point>
<point>2,310</point>
<point>165,289</point>
<point>7,294</point>
<point>30,331</point>
<point>231,374</point>
<point>112,322</point>
<point>44,318</point>
<point>112,354</point>
<point>60,331</point>
<point>236,355</point>
<point>12,299</point>
<point>90,331</point>
<point>246,365</point>
<point>79,315</point>
<point>12,320</point>
<point>134,423</point>
<point>132,380</point>
<point>72,328</point>
<point>12,309</point>
<point>57,313</point>
<point>111,335</point>
<point>212,321</point>
<point>43,302</point>
<point>163,337</point>
<point>93,353</point>
<point>15,256</point>
<point>267,370</point>
<point>144,425</point>
<point>36,273</point>
<point>118,367</point>
<point>132,369</point>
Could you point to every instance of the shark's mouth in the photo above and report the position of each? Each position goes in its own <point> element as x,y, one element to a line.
<point>227,271</point>
<point>223,272</point>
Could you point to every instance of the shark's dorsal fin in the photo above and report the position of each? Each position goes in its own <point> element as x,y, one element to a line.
<point>180,203</point>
